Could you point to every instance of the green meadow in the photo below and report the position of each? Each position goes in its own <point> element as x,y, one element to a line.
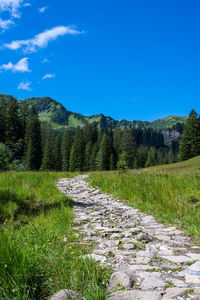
<point>171,193</point>
<point>39,249</point>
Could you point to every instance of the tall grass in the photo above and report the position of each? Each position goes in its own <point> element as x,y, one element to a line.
<point>40,252</point>
<point>171,198</point>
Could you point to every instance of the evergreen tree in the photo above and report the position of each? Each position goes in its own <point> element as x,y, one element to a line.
<point>93,165</point>
<point>88,153</point>
<point>47,160</point>
<point>77,151</point>
<point>105,152</point>
<point>23,113</point>
<point>128,147</point>
<point>13,124</point>
<point>33,149</point>
<point>152,158</point>
<point>140,157</point>
<point>66,149</point>
<point>3,115</point>
<point>57,157</point>
<point>190,141</point>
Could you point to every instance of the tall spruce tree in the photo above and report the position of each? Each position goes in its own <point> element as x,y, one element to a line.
<point>93,165</point>
<point>3,115</point>
<point>47,159</point>
<point>88,153</point>
<point>105,152</point>
<point>190,141</point>
<point>128,147</point>
<point>13,124</point>
<point>77,151</point>
<point>66,149</point>
<point>33,149</point>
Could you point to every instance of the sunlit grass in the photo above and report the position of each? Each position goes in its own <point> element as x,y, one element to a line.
<point>40,252</point>
<point>170,193</point>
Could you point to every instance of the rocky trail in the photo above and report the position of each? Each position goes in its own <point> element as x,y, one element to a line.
<point>149,260</point>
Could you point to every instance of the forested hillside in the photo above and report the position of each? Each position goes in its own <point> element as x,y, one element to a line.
<point>30,144</point>
<point>55,113</point>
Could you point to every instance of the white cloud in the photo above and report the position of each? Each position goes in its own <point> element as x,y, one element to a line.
<point>5,24</point>
<point>45,60</point>
<point>12,6</point>
<point>41,40</point>
<point>20,66</point>
<point>42,9</point>
<point>27,4</point>
<point>49,76</point>
<point>24,85</point>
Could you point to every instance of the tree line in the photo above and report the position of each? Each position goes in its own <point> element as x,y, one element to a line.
<point>28,144</point>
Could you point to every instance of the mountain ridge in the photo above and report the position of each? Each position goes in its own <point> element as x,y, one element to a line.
<point>54,112</point>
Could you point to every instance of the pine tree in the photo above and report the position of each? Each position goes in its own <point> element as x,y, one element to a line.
<point>152,158</point>
<point>105,152</point>
<point>93,165</point>
<point>128,146</point>
<point>13,124</point>
<point>77,152</point>
<point>190,141</point>
<point>33,149</point>
<point>57,157</point>
<point>47,160</point>
<point>88,153</point>
<point>140,157</point>
<point>66,149</point>
<point>23,113</point>
<point>3,114</point>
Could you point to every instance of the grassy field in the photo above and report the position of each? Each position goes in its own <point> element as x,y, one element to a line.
<point>171,193</point>
<point>39,249</point>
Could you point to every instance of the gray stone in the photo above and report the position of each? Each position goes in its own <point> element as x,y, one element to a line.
<point>99,258</point>
<point>151,280</point>
<point>65,295</point>
<point>119,279</point>
<point>174,292</point>
<point>135,295</point>
<point>177,259</point>
<point>192,279</point>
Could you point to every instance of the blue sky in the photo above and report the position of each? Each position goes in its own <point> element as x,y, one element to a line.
<point>126,59</point>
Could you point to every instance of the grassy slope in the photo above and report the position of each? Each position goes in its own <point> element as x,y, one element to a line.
<point>171,193</point>
<point>40,252</point>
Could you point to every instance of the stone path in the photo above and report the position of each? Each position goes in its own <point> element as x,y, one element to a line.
<point>151,261</point>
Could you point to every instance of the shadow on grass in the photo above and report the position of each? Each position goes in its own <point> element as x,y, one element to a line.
<point>28,206</point>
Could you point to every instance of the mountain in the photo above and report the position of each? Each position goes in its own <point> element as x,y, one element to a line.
<point>54,112</point>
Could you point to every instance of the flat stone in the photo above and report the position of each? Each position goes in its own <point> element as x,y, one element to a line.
<point>151,281</point>
<point>163,237</point>
<point>119,280</point>
<point>99,258</point>
<point>192,279</point>
<point>135,295</point>
<point>128,246</point>
<point>174,292</point>
<point>177,259</point>
<point>194,256</point>
<point>65,295</point>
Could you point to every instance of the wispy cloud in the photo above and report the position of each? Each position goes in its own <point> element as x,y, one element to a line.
<point>12,6</point>
<point>24,85</point>
<point>20,66</point>
<point>45,60</point>
<point>41,40</point>
<point>27,4</point>
<point>43,9</point>
<point>5,24</point>
<point>49,76</point>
